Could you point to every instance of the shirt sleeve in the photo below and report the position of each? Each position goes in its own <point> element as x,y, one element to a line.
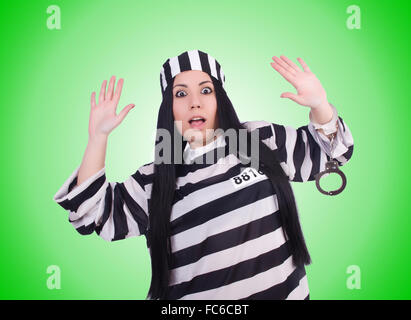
<point>114,210</point>
<point>304,151</point>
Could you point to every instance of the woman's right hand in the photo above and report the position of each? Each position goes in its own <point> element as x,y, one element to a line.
<point>103,117</point>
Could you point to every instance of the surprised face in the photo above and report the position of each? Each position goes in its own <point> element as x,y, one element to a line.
<point>195,107</point>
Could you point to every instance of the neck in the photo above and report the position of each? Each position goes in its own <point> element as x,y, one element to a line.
<point>197,144</point>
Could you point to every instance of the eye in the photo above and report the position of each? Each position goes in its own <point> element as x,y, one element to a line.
<point>209,89</point>
<point>179,96</point>
<point>178,93</point>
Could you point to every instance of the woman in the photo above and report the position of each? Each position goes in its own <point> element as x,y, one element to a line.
<point>221,229</point>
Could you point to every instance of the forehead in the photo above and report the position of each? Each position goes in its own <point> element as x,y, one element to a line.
<point>191,76</point>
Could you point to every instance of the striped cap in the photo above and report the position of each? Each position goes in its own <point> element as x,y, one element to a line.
<point>190,60</point>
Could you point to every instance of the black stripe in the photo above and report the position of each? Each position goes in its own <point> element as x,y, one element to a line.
<point>315,154</point>
<point>265,132</point>
<point>144,179</point>
<point>342,122</point>
<point>205,65</point>
<point>242,270</point>
<point>189,187</point>
<point>84,230</point>
<point>280,139</point>
<point>203,160</point>
<point>349,152</point>
<point>307,297</point>
<point>315,149</point>
<point>161,82</point>
<point>121,197</point>
<point>74,203</point>
<point>227,239</point>
<point>183,169</point>
<point>107,209</point>
<point>184,61</point>
<point>140,178</point>
<point>347,155</point>
<point>227,203</point>
<point>282,290</point>
<point>72,184</point>
<point>119,216</point>
<point>218,69</point>
<point>167,71</point>
<point>135,209</point>
<point>299,154</point>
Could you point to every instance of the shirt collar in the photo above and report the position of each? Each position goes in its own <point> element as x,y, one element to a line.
<point>190,154</point>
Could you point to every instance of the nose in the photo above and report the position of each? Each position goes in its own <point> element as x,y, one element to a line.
<point>195,102</point>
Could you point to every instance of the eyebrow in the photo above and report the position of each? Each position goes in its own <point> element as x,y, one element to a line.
<point>184,85</point>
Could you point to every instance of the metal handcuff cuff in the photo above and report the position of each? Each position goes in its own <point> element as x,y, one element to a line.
<point>330,167</point>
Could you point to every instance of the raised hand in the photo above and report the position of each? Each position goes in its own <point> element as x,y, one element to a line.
<point>310,92</point>
<point>103,117</point>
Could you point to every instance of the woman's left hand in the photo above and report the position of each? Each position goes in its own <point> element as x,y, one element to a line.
<point>310,92</point>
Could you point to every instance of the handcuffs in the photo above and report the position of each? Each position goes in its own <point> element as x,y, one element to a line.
<point>330,167</point>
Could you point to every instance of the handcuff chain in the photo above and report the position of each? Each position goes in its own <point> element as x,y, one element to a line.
<point>331,166</point>
<point>331,145</point>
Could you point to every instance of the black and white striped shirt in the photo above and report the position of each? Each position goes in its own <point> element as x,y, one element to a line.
<point>227,239</point>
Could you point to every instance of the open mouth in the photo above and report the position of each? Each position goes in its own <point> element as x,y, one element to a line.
<point>197,122</point>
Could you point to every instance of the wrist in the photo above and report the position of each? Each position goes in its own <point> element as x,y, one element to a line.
<point>322,106</point>
<point>98,139</point>
<point>324,119</point>
<point>321,114</point>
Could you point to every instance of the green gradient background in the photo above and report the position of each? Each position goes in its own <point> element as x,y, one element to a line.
<point>47,79</point>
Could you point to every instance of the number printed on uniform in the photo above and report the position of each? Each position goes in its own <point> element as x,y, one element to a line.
<point>247,176</point>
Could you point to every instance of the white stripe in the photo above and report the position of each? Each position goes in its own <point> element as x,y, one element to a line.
<point>225,222</point>
<point>252,125</point>
<point>163,78</point>
<point>107,232</point>
<point>190,154</point>
<point>133,228</point>
<point>92,209</point>
<point>147,169</point>
<point>149,187</point>
<point>301,292</point>
<point>272,138</point>
<point>270,142</point>
<point>205,195</point>
<point>62,194</point>
<point>89,203</point>
<point>86,219</point>
<point>137,193</point>
<point>323,160</point>
<point>220,167</point>
<point>307,164</point>
<point>244,288</point>
<point>174,65</point>
<point>194,60</point>
<point>100,211</point>
<point>290,141</point>
<point>346,135</point>
<point>286,168</point>
<point>342,159</point>
<point>342,141</point>
<point>228,257</point>
<point>222,76</point>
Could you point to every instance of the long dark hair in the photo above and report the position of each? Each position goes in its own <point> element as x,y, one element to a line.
<point>164,186</point>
